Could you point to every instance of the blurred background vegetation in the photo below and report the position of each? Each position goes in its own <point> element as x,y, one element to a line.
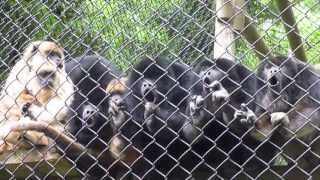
<point>125,30</point>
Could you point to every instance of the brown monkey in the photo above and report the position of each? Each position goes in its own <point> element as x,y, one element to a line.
<point>39,87</point>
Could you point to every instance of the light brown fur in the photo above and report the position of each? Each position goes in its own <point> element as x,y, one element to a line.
<point>117,86</point>
<point>22,86</point>
<point>118,148</point>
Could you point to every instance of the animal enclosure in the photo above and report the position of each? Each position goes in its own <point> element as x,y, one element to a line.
<point>161,89</point>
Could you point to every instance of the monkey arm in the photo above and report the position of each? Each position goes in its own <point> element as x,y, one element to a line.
<point>74,151</point>
<point>54,111</point>
<point>173,121</point>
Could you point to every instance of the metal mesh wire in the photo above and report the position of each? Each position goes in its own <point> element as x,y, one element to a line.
<point>171,89</point>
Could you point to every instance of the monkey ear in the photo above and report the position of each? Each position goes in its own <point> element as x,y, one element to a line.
<point>48,38</point>
<point>34,49</point>
<point>30,51</point>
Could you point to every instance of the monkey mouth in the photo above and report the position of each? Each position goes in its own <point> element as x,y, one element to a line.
<point>149,96</point>
<point>273,81</point>
<point>47,84</point>
<point>206,81</point>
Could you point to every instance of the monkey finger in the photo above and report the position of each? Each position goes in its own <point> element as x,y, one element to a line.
<point>238,113</point>
<point>244,121</point>
<point>244,107</point>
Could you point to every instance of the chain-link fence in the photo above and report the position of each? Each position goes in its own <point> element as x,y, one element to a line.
<point>161,89</point>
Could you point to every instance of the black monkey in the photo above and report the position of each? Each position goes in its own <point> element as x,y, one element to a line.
<point>88,115</point>
<point>288,109</point>
<point>226,86</point>
<point>89,120</point>
<point>157,101</point>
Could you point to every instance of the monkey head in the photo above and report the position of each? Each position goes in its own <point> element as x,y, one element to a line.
<point>119,103</point>
<point>214,79</point>
<point>278,72</point>
<point>280,75</point>
<point>93,129</point>
<point>45,61</point>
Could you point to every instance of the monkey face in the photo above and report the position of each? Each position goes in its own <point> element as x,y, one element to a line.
<point>123,109</point>
<point>148,91</point>
<point>278,79</point>
<point>273,77</point>
<point>90,126</point>
<point>89,115</point>
<point>117,110</point>
<point>279,74</point>
<point>45,61</point>
<point>209,75</point>
<point>44,53</point>
<point>47,79</point>
<point>212,78</point>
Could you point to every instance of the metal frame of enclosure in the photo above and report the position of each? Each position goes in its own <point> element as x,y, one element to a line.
<point>209,89</point>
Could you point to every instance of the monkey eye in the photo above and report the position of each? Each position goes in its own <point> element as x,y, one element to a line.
<point>56,58</point>
<point>46,74</point>
<point>53,54</point>
<point>34,49</point>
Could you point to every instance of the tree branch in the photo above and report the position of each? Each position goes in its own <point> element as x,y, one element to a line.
<point>292,30</point>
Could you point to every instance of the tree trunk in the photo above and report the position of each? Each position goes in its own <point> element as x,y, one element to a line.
<point>252,36</point>
<point>224,46</point>
<point>292,30</point>
<point>232,16</point>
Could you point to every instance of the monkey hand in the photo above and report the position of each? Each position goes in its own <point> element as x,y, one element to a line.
<point>219,94</point>
<point>150,109</point>
<point>25,109</point>
<point>279,118</point>
<point>196,104</point>
<point>246,116</point>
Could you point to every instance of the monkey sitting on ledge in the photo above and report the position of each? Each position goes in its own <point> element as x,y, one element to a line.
<point>37,88</point>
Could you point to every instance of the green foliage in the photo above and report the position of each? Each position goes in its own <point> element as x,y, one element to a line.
<point>130,28</point>
<point>272,30</point>
<point>125,30</point>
